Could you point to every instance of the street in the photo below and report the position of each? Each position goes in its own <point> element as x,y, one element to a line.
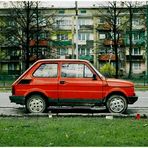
<point>7,108</point>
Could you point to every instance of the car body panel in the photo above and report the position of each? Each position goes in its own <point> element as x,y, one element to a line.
<point>61,89</point>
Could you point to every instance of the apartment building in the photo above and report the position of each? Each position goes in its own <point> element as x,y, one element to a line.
<point>95,41</point>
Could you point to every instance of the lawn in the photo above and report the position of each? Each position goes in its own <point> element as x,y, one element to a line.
<point>76,131</point>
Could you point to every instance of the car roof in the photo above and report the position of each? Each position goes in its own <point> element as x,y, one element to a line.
<point>61,60</point>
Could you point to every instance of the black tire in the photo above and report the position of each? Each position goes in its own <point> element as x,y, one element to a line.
<point>36,104</point>
<point>116,104</point>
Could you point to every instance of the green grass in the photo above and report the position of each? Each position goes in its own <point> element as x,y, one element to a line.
<point>73,132</point>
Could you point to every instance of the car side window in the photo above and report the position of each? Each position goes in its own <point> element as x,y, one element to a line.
<point>76,71</point>
<point>47,70</point>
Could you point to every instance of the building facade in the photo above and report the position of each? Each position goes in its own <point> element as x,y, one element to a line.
<point>95,39</point>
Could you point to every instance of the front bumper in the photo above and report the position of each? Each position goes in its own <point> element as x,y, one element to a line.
<point>17,99</point>
<point>132,99</point>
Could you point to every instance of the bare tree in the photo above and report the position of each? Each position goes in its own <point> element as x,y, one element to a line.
<point>131,6</point>
<point>116,23</point>
<point>111,14</point>
<point>29,24</point>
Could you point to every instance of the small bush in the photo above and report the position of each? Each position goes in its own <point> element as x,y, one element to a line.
<point>108,70</point>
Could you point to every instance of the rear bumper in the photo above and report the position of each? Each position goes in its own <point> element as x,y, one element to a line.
<point>17,99</point>
<point>132,99</point>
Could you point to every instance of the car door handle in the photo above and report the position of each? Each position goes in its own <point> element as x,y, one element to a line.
<point>62,82</point>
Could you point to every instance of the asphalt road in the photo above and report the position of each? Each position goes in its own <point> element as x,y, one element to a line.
<point>8,108</point>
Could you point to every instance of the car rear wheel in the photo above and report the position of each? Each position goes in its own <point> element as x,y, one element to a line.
<point>116,104</point>
<point>36,104</point>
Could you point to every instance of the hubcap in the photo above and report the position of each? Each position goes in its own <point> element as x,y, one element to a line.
<point>117,105</point>
<point>36,105</point>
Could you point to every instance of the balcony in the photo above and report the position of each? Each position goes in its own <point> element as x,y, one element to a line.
<point>60,43</point>
<point>135,58</point>
<point>63,27</point>
<point>109,42</point>
<point>86,27</point>
<point>41,43</point>
<point>86,57</point>
<point>105,26</point>
<point>107,57</point>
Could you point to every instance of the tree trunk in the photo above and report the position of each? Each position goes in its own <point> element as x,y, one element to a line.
<point>130,43</point>
<point>27,36</point>
<point>115,40</point>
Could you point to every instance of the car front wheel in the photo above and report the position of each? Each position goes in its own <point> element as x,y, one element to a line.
<point>36,104</point>
<point>116,104</point>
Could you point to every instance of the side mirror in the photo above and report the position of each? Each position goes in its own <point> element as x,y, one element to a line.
<point>94,77</point>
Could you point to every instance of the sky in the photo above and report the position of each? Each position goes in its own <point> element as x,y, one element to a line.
<point>68,3</point>
<point>59,3</point>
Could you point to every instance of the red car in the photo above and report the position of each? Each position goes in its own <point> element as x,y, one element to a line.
<point>53,82</point>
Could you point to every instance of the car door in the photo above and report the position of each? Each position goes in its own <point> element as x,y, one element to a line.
<point>76,83</point>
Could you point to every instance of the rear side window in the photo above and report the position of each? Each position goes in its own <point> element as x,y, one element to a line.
<point>47,70</point>
<point>76,71</point>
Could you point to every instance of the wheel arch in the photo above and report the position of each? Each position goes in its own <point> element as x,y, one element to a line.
<point>36,93</point>
<point>115,93</point>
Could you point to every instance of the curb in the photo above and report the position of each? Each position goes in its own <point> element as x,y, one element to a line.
<point>52,115</point>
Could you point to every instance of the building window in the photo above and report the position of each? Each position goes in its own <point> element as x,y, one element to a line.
<point>135,36</point>
<point>62,22</point>
<point>12,66</point>
<point>81,51</point>
<point>61,11</point>
<point>42,36</point>
<point>118,21</point>
<point>135,21</point>
<point>84,51</point>
<point>12,23</point>
<point>62,36</point>
<point>84,36</point>
<point>136,66</point>
<point>62,51</point>
<point>85,22</point>
<point>82,11</point>
<point>102,36</point>
<point>136,51</point>
<point>42,22</point>
<point>101,20</point>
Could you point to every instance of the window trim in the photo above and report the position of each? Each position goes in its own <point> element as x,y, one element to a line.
<point>84,64</point>
<point>46,76</point>
<point>138,50</point>
<point>137,66</point>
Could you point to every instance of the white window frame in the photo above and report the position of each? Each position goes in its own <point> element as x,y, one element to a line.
<point>85,50</point>
<point>135,36</point>
<point>61,53</point>
<point>102,36</point>
<point>118,21</point>
<point>62,37</point>
<point>136,66</point>
<point>135,21</point>
<point>85,22</point>
<point>84,36</point>
<point>134,51</point>
<point>101,20</point>
<point>62,22</point>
